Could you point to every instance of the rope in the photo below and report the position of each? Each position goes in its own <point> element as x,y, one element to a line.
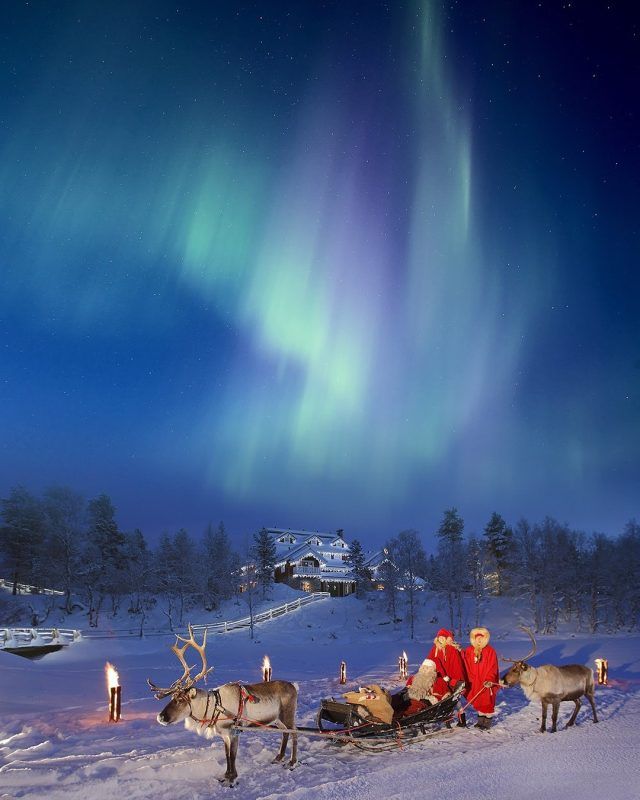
<point>480,690</point>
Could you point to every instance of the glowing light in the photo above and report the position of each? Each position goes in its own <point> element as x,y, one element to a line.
<point>113,679</point>
<point>602,670</point>
<point>114,692</point>
<point>266,669</point>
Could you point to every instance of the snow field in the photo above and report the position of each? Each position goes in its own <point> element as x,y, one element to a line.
<point>55,741</point>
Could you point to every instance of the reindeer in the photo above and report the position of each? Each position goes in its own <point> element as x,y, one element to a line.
<point>221,711</point>
<point>551,685</point>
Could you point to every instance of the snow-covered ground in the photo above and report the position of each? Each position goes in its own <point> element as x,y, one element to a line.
<point>56,742</point>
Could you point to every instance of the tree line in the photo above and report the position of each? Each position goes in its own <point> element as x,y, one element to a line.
<point>63,542</point>
<point>554,574</point>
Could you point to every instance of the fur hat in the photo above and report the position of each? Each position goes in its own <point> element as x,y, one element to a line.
<point>479,637</point>
<point>428,664</point>
<point>444,632</point>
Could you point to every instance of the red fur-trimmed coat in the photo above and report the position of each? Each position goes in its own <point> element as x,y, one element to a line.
<point>450,665</point>
<point>479,670</point>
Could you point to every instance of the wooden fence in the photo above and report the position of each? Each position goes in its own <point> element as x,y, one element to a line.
<point>214,627</point>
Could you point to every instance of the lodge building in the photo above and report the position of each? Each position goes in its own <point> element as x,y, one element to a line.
<point>313,562</point>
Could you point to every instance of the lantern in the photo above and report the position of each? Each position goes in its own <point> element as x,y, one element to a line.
<point>602,668</point>
<point>343,672</point>
<point>115,692</point>
<point>402,665</point>
<point>266,669</point>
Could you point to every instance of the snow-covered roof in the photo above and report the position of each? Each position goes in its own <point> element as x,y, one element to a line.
<point>375,559</point>
<point>288,542</point>
<point>296,555</point>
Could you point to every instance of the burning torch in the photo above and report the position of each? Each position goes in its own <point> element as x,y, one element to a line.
<point>115,692</point>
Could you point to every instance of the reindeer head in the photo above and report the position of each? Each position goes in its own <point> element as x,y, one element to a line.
<point>520,666</point>
<point>182,691</point>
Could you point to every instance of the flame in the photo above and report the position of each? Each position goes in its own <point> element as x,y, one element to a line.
<point>113,679</point>
<point>266,664</point>
<point>404,655</point>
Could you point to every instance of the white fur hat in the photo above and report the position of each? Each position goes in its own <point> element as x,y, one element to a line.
<point>428,663</point>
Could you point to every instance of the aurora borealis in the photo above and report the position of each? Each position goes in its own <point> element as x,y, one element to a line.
<point>322,265</point>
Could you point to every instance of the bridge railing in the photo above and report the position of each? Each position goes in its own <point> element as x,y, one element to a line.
<point>36,637</point>
<point>26,588</point>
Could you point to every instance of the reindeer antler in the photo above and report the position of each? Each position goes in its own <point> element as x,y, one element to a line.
<point>185,681</point>
<point>531,652</point>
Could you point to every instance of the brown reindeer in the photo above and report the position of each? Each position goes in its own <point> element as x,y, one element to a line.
<point>221,711</point>
<point>552,685</point>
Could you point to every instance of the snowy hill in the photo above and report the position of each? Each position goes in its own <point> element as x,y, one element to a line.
<point>55,741</point>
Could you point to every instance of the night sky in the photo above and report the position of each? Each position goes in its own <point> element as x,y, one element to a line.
<point>322,265</point>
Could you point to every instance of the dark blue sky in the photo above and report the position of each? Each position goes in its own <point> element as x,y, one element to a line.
<point>322,265</point>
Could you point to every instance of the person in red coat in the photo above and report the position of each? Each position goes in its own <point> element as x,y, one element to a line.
<point>450,666</point>
<point>481,662</point>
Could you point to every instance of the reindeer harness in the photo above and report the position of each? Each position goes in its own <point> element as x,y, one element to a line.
<point>244,697</point>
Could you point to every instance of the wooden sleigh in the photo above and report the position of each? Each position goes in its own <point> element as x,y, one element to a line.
<point>343,723</point>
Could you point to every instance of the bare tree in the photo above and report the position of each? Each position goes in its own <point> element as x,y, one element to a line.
<point>407,553</point>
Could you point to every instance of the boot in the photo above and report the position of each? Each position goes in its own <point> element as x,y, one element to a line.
<point>462,721</point>
<point>484,723</point>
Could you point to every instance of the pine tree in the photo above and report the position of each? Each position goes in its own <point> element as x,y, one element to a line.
<point>104,533</point>
<point>220,565</point>
<point>499,546</point>
<point>475,571</point>
<point>22,535</point>
<point>356,561</point>
<point>450,551</point>
<point>263,554</point>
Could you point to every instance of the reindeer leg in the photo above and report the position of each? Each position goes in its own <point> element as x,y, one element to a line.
<point>294,749</point>
<point>555,707</point>
<point>290,721</point>
<point>543,726</point>
<point>234,752</point>
<point>572,718</point>
<point>591,699</point>
<point>283,744</point>
<point>230,750</point>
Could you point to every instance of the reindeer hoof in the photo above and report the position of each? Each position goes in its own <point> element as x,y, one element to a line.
<point>277,760</point>
<point>291,764</point>
<point>228,782</point>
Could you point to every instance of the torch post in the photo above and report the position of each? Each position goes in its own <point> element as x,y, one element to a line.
<point>403,666</point>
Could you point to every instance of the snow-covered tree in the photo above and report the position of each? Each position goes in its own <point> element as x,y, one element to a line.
<point>22,535</point>
<point>65,525</point>
<point>388,573</point>
<point>220,566</point>
<point>499,548</point>
<point>106,544</point>
<point>407,553</point>
<point>263,556</point>
<point>356,561</point>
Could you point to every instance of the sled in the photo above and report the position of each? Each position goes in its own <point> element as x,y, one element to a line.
<point>343,723</point>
